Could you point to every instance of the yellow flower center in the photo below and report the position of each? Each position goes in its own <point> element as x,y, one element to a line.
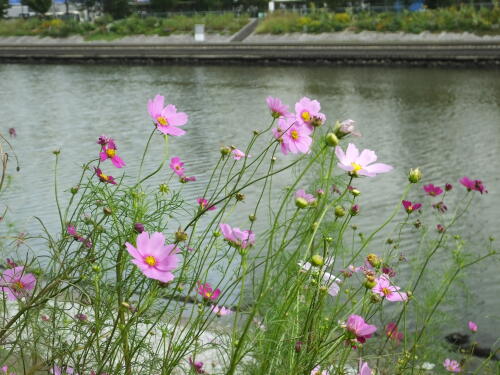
<point>111,152</point>
<point>104,177</point>
<point>150,260</point>
<point>294,134</point>
<point>356,167</point>
<point>162,121</point>
<point>386,291</point>
<point>19,285</point>
<point>208,294</point>
<point>306,116</point>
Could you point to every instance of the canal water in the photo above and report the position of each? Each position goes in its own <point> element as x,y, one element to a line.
<point>445,121</point>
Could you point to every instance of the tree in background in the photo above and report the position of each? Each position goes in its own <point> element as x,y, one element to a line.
<point>39,6</point>
<point>163,5</point>
<point>4,5</point>
<point>116,8</point>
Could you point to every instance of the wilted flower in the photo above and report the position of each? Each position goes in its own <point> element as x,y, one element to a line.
<point>307,111</point>
<point>237,237</point>
<point>472,326</point>
<point>204,204</point>
<point>360,164</point>
<point>238,154</point>
<point>109,152</point>
<point>384,288</point>
<point>391,330</point>
<point>440,228</point>
<point>476,185</point>
<point>433,190</point>
<point>359,329</point>
<point>185,179</point>
<point>177,166</point>
<point>103,177</point>
<point>16,284</point>
<point>410,207</point>
<point>155,259</point>
<point>166,119</point>
<point>11,263</point>
<point>206,291</point>
<point>277,108</point>
<point>451,365</point>
<point>12,132</point>
<point>196,366</point>
<point>346,127</point>
<point>220,310</point>
<point>440,206</point>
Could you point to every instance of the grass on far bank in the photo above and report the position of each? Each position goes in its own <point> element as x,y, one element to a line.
<point>453,19</point>
<point>105,28</point>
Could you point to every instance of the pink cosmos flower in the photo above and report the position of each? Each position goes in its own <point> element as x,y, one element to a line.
<point>309,198</point>
<point>72,232</point>
<point>238,154</point>
<point>476,185</point>
<point>56,370</point>
<point>177,166</point>
<point>155,259</point>
<point>103,140</point>
<point>357,326</point>
<point>103,177</point>
<point>410,207</point>
<point>5,370</point>
<point>347,127</point>
<point>451,365</point>
<point>166,119</point>
<point>283,125</point>
<point>472,326</point>
<point>391,331</point>
<point>317,371</point>
<point>297,139</point>
<point>433,190</point>
<point>237,237</point>
<point>204,204</point>
<point>109,152</point>
<point>206,291</point>
<point>308,112</point>
<point>364,369</point>
<point>16,283</point>
<point>220,310</point>
<point>360,164</point>
<point>384,288</point>
<point>196,366</point>
<point>277,108</point>
<point>11,263</point>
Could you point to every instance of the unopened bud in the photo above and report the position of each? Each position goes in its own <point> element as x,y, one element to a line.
<point>139,227</point>
<point>415,175</point>
<point>252,217</point>
<point>301,202</point>
<point>164,188</point>
<point>448,187</point>
<point>298,346</point>
<point>224,150</point>
<point>370,282</point>
<point>74,190</point>
<point>375,298</point>
<point>107,211</point>
<point>355,192</point>
<point>180,236</point>
<point>256,132</point>
<point>314,226</point>
<point>239,197</point>
<point>96,268</point>
<point>56,152</point>
<point>331,140</point>
<point>354,210</point>
<point>374,260</point>
<point>339,211</point>
<point>216,234</point>
<point>317,260</point>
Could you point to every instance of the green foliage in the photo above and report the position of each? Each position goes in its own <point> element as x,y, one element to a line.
<point>116,8</point>
<point>4,5</point>
<point>39,6</point>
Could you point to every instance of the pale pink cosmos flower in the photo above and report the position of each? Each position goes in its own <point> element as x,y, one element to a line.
<point>206,291</point>
<point>451,365</point>
<point>167,119</point>
<point>277,108</point>
<point>177,166</point>
<point>308,112</point>
<point>203,203</point>
<point>360,164</point>
<point>237,237</point>
<point>410,207</point>
<point>56,370</point>
<point>109,152</point>
<point>384,288</point>
<point>364,369</point>
<point>16,284</point>
<point>297,139</point>
<point>329,280</point>
<point>238,154</point>
<point>283,125</point>
<point>432,190</point>
<point>357,326</point>
<point>155,259</point>
<point>309,198</point>
<point>220,310</point>
<point>5,370</point>
<point>317,371</point>
<point>472,326</point>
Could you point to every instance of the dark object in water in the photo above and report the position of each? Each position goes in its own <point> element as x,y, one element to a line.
<point>461,342</point>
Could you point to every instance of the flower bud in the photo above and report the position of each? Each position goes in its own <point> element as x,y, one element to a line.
<point>339,211</point>
<point>139,227</point>
<point>252,217</point>
<point>239,197</point>
<point>96,268</point>
<point>374,260</point>
<point>298,346</point>
<point>301,202</point>
<point>417,224</point>
<point>448,187</point>
<point>415,175</point>
<point>180,236</point>
<point>355,192</point>
<point>74,190</point>
<point>375,298</point>
<point>369,282</point>
<point>314,226</point>
<point>216,234</point>
<point>440,228</point>
<point>107,211</point>
<point>317,260</point>
<point>56,152</point>
<point>164,188</point>
<point>354,210</point>
<point>331,140</point>
<point>224,150</point>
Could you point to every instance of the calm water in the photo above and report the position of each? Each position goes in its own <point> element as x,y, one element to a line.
<point>445,121</point>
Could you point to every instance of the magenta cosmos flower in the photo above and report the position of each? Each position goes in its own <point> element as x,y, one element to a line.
<point>476,185</point>
<point>220,310</point>
<point>308,112</point>
<point>364,369</point>
<point>104,177</point>
<point>166,119</point>
<point>472,326</point>
<point>155,259</point>
<point>203,203</point>
<point>384,288</point>
<point>177,166</point>
<point>237,237</point>
<point>451,365</point>
<point>109,152</point>
<point>360,164</point>
<point>16,284</point>
<point>196,366</point>
<point>432,190</point>
<point>359,329</point>
<point>206,291</point>
<point>410,207</point>
<point>391,331</point>
<point>277,108</point>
